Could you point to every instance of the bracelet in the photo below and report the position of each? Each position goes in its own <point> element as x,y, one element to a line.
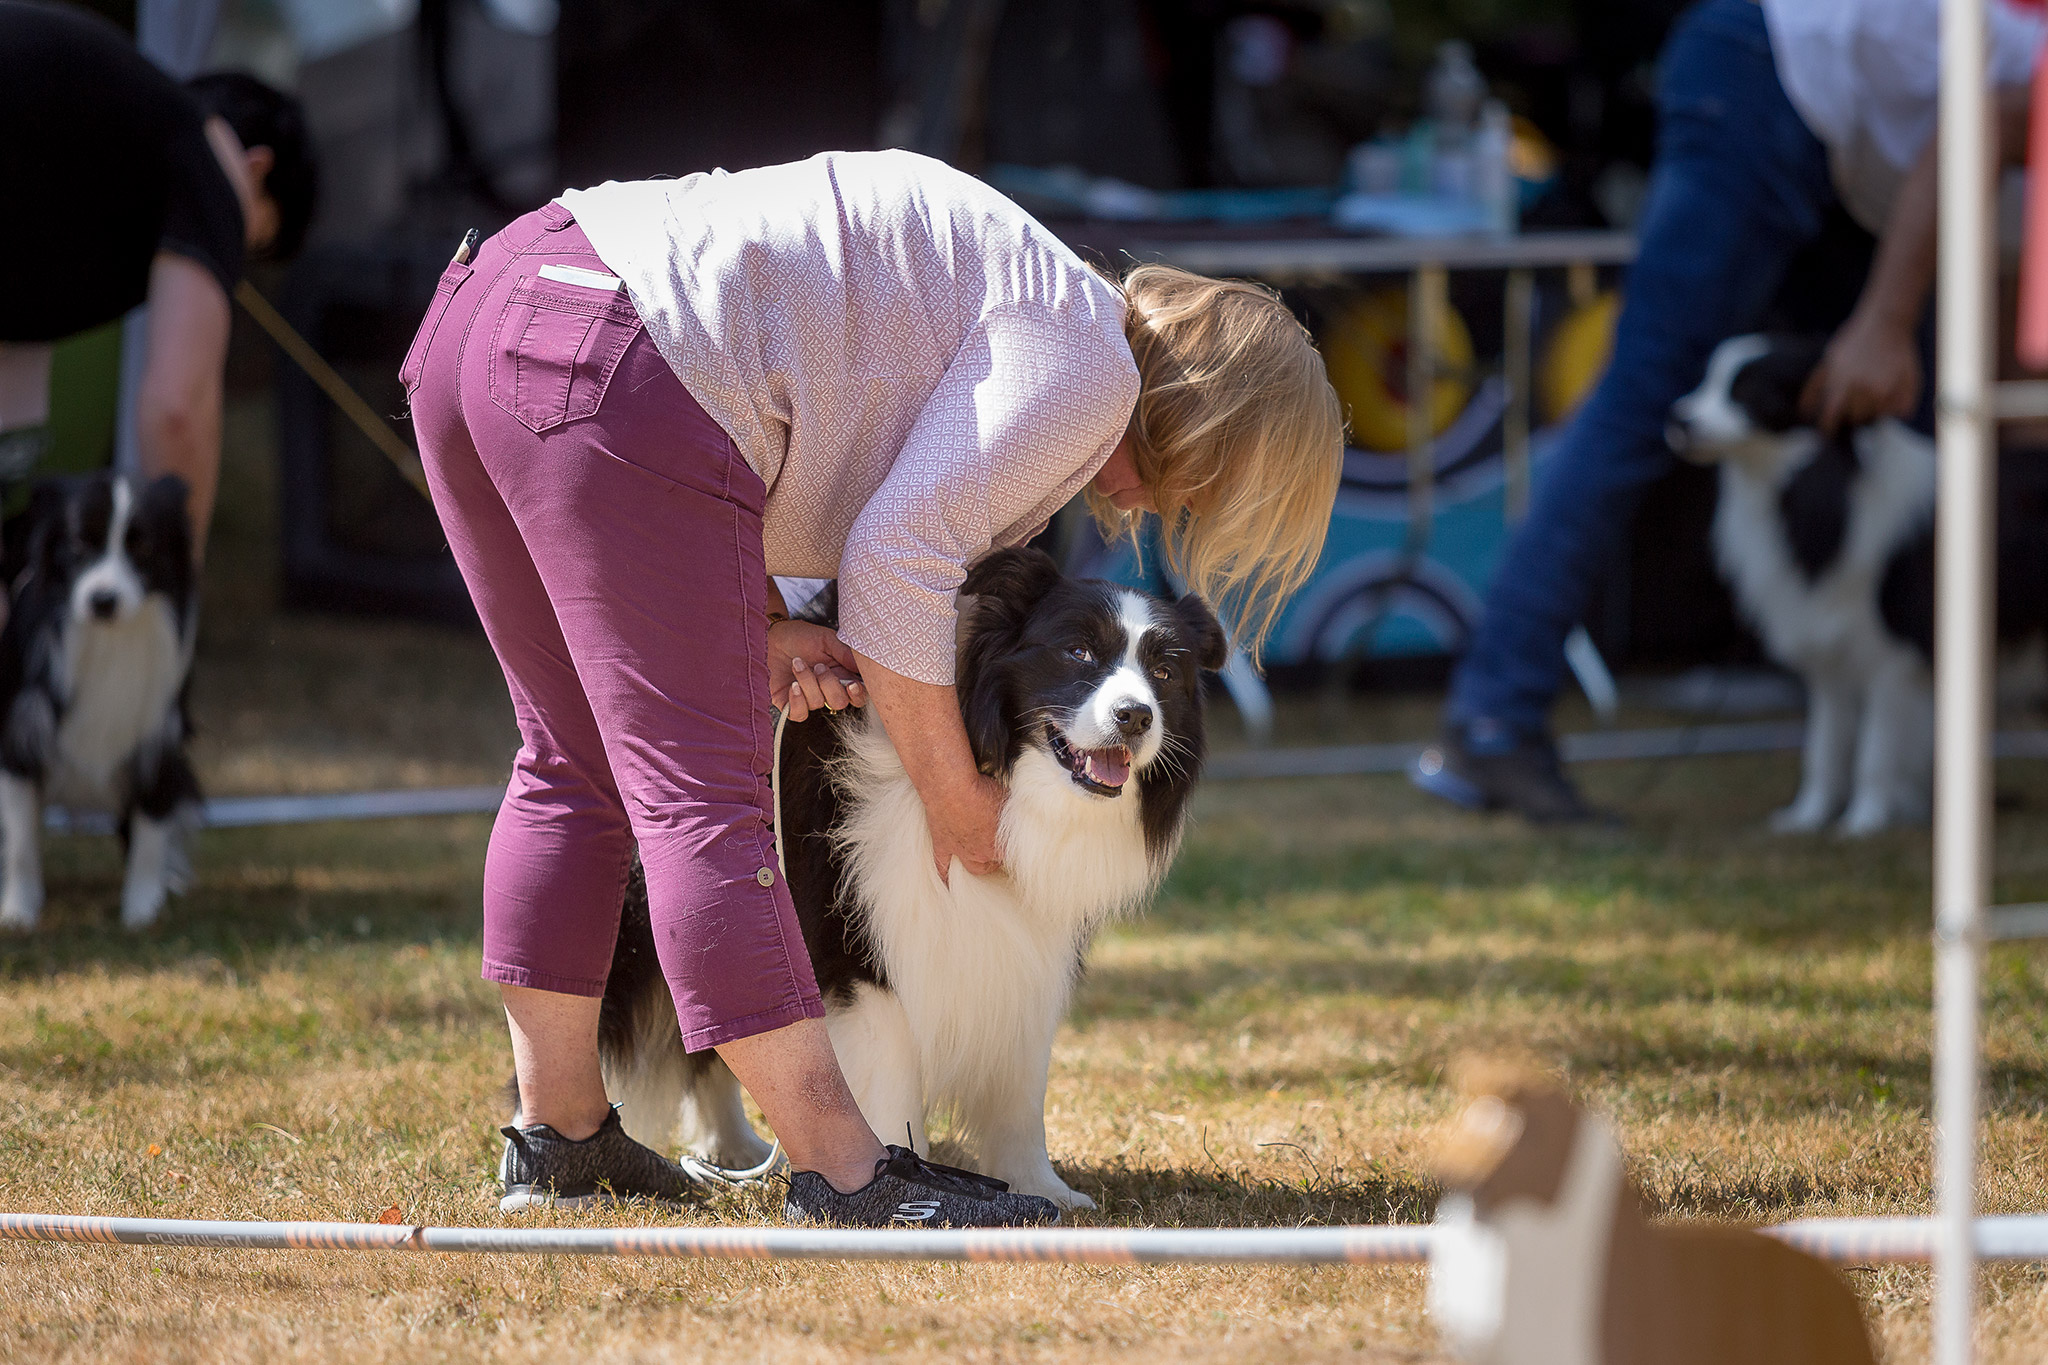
<point>775,616</point>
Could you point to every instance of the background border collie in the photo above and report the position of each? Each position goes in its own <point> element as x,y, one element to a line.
<point>1085,699</point>
<point>1828,544</point>
<point>93,666</point>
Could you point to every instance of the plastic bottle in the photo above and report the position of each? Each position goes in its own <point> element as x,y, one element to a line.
<point>1493,168</point>
<point>1454,94</point>
<point>1455,90</point>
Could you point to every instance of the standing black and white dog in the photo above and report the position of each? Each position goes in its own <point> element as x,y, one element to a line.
<point>93,662</point>
<point>1828,544</point>
<point>1085,699</point>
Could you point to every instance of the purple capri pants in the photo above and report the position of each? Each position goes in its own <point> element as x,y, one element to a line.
<point>610,535</point>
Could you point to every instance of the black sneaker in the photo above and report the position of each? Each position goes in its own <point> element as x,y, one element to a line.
<point>543,1167</point>
<point>909,1191</point>
<point>1486,766</point>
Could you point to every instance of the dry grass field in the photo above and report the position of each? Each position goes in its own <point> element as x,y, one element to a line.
<point>305,1037</point>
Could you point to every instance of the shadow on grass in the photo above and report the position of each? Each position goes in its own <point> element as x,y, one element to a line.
<point>81,931</point>
<point>1227,1196</point>
<point>1218,989</point>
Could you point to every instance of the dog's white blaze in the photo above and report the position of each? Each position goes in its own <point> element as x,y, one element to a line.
<point>1525,1286</point>
<point>1710,416</point>
<point>113,573</point>
<point>984,966</point>
<point>1093,725</point>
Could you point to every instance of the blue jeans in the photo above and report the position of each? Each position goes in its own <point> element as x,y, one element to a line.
<point>1739,186</point>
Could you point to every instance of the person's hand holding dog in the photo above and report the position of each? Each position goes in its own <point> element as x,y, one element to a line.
<point>1871,369</point>
<point>811,669</point>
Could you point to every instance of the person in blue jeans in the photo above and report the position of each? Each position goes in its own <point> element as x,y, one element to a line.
<point>1770,115</point>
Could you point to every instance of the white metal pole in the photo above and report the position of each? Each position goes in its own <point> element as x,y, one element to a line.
<point>1962,785</point>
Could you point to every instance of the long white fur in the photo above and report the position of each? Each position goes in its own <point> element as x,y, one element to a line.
<point>1869,734</point>
<point>981,969</point>
<point>1524,1286</point>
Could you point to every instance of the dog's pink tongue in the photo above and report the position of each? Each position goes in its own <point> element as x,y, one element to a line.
<point>1109,767</point>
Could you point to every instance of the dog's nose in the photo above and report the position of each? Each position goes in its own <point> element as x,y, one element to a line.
<point>1133,718</point>
<point>104,604</point>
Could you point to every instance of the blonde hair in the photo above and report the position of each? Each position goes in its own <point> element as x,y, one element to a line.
<point>1238,437</point>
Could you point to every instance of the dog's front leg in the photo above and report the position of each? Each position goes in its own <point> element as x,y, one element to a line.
<point>714,1120</point>
<point>1006,1113</point>
<point>1831,716</point>
<point>882,1063</point>
<point>21,825</point>
<point>149,857</point>
<point>1895,751</point>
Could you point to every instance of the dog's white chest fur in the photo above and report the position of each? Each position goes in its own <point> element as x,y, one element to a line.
<point>1831,620</point>
<point>121,681</point>
<point>981,969</point>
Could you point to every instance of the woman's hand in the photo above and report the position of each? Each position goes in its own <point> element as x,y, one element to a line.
<point>811,669</point>
<point>962,806</point>
<point>963,820</point>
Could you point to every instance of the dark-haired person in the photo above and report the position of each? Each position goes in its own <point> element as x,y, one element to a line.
<point>135,189</point>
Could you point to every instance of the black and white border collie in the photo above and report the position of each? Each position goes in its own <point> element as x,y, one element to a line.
<point>93,663</point>
<point>1085,699</point>
<point>1828,545</point>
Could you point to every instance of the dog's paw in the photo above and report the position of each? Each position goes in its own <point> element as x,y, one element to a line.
<point>1801,817</point>
<point>21,908</point>
<point>736,1152</point>
<point>1864,819</point>
<point>140,905</point>
<point>1046,1184</point>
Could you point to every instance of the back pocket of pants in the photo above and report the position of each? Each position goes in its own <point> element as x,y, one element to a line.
<point>554,351</point>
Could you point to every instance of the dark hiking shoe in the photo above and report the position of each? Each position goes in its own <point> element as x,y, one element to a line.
<point>1485,766</point>
<point>543,1167</point>
<point>909,1191</point>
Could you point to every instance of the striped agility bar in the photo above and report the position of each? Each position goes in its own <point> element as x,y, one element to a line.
<point>1842,1240</point>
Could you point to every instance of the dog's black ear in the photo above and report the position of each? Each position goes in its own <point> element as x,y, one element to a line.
<point>165,493</point>
<point>989,734</point>
<point>44,524</point>
<point>166,511</point>
<point>1203,631</point>
<point>1016,579</point>
<point>1769,387</point>
<point>1006,586</point>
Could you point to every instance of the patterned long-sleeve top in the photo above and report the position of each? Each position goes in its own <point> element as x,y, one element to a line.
<point>918,371</point>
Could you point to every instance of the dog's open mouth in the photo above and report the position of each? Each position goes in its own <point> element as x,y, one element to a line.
<point>1102,771</point>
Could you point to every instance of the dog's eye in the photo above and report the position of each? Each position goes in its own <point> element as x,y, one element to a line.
<point>1163,672</point>
<point>1080,655</point>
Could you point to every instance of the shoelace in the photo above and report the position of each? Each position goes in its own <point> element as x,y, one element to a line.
<point>908,1165</point>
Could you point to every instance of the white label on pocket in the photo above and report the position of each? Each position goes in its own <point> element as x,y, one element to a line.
<point>588,279</point>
